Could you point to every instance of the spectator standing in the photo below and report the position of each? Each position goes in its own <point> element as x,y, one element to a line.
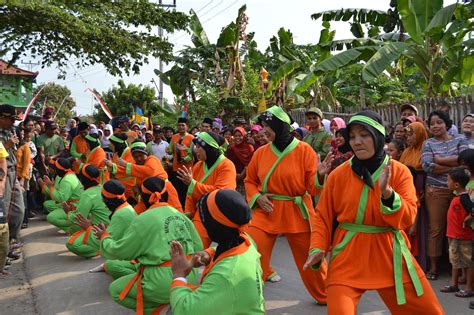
<point>240,153</point>
<point>50,145</point>
<point>4,232</point>
<point>158,146</point>
<point>467,126</point>
<point>23,170</point>
<point>318,138</point>
<point>439,155</point>
<point>445,107</point>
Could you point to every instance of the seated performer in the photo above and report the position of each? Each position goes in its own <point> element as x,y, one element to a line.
<point>90,210</point>
<point>232,280</point>
<point>145,166</point>
<point>66,189</point>
<point>147,241</point>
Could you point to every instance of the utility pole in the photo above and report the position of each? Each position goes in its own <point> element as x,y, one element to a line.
<point>160,67</point>
<point>31,64</point>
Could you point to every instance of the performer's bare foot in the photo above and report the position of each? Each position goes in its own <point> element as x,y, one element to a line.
<point>99,268</point>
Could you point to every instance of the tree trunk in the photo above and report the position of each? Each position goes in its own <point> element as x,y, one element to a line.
<point>362,95</point>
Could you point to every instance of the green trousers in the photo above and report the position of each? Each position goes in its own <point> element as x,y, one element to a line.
<point>120,268</point>
<point>80,245</point>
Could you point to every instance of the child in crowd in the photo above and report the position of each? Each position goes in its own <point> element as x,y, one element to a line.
<point>395,149</point>
<point>459,233</point>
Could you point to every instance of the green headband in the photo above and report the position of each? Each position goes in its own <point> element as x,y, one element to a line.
<point>208,139</point>
<point>279,113</point>
<point>138,145</point>
<point>369,121</point>
<point>92,139</point>
<point>116,139</point>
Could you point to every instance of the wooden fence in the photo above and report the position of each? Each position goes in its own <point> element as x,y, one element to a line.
<point>460,106</point>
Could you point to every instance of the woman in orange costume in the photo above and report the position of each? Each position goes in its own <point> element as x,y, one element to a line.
<point>144,166</point>
<point>370,250</point>
<point>213,171</point>
<point>96,156</point>
<point>118,144</point>
<point>279,184</point>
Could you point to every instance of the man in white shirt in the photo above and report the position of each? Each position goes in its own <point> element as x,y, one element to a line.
<point>158,146</point>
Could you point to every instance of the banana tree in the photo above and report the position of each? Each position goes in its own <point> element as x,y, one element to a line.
<point>435,45</point>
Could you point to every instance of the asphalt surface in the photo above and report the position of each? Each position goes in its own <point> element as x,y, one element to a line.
<point>50,280</point>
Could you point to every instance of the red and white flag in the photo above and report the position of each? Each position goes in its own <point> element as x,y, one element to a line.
<point>102,104</point>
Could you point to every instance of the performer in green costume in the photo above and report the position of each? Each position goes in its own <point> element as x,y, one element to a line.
<point>147,240</point>
<point>232,279</point>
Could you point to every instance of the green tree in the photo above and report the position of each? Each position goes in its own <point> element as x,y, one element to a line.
<point>124,99</point>
<point>120,36</point>
<point>57,97</point>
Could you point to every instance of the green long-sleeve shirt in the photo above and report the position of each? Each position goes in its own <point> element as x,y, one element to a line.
<point>320,141</point>
<point>121,221</point>
<point>91,204</point>
<point>67,188</point>
<point>232,286</point>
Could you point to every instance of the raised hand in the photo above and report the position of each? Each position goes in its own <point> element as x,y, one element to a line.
<point>99,230</point>
<point>384,180</point>
<point>185,175</point>
<point>325,166</point>
<point>82,222</point>
<point>180,266</point>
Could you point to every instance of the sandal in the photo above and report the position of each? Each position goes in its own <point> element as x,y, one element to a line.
<point>432,275</point>
<point>464,293</point>
<point>449,289</point>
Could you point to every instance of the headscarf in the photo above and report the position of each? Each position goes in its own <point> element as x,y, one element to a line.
<point>302,132</point>
<point>327,125</point>
<point>280,122</point>
<point>339,122</point>
<point>113,195</point>
<point>243,151</point>
<point>411,157</point>
<point>224,214</point>
<point>120,142</point>
<point>92,140</point>
<point>105,140</point>
<point>373,123</point>
<point>153,191</point>
<point>89,176</point>
<point>212,144</point>
<point>62,166</point>
<point>256,128</point>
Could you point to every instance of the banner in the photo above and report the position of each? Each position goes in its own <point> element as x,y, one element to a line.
<point>102,104</point>
<point>32,102</point>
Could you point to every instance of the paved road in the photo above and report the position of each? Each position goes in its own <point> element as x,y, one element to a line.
<point>50,280</point>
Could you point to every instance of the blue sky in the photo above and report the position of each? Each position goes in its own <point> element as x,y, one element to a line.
<point>265,18</point>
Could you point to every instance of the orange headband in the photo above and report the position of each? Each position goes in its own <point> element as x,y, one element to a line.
<point>83,172</point>
<point>110,195</point>
<point>59,166</point>
<point>217,214</point>
<point>155,196</point>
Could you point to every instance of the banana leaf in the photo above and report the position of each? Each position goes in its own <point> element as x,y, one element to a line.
<point>467,72</point>
<point>382,59</point>
<point>374,17</point>
<point>304,84</point>
<point>280,74</point>
<point>228,36</point>
<point>338,61</point>
<point>441,19</point>
<point>199,37</point>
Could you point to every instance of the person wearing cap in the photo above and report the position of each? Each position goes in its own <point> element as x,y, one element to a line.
<point>90,210</point>
<point>369,249</point>
<point>13,198</point>
<point>279,184</point>
<point>206,125</point>
<point>79,144</point>
<point>121,217</point>
<point>96,156</point>
<point>119,145</point>
<point>147,240</point>
<point>212,171</point>
<point>232,278</point>
<point>407,110</point>
<point>66,188</point>
<point>144,166</point>
<point>158,146</point>
<point>318,138</point>
<point>50,145</point>
<point>48,114</point>
<point>239,122</point>
<point>181,148</point>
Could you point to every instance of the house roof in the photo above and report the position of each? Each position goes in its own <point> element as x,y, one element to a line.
<point>7,69</point>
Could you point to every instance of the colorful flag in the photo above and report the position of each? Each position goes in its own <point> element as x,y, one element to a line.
<point>184,113</point>
<point>32,102</point>
<point>102,104</point>
<point>139,111</point>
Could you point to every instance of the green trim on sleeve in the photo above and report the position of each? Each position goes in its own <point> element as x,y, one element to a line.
<point>114,168</point>
<point>314,251</point>
<point>397,204</point>
<point>317,183</point>
<point>191,187</point>
<point>128,169</point>
<point>254,200</point>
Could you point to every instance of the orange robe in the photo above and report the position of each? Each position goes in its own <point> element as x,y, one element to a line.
<point>152,167</point>
<point>366,262</point>
<point>120,172</point>
<point>220,177</point>
<point>293,179</point>
<point>78,146</point>
<point>96,157</point>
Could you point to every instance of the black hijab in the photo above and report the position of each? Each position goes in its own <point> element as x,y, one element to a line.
<point>234,207</point>
<point>119,147</point>
<point>212,154</point>
<point>153,184</point>
<point>92,141</point>
<point>374,125</point>
<point>64,163</point>
<point>92,172</point>
<point>115,187</point>
<point>283,136</point>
